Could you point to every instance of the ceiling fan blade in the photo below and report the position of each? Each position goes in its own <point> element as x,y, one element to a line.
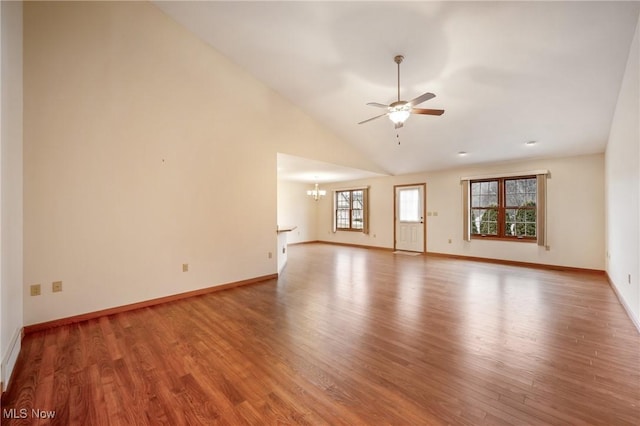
<point>427,111</point>
<point>420,99</point>
<point>376,104</point>
<point>372,118</point>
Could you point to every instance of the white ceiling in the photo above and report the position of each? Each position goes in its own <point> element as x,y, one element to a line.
<point>505,72</point>
<point>299,169</point>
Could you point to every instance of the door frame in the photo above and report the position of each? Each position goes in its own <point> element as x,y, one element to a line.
<point>424,213</point>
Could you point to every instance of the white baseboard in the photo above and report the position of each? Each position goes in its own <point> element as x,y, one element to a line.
<point>623,302</point>
<point>9,359</point>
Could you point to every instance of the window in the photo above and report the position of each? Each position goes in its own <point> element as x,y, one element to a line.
<point>409,200</point>
<point>350,210</point>
<point>504,208</point>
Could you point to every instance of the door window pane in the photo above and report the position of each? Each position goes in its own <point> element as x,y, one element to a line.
<point>409,205</point>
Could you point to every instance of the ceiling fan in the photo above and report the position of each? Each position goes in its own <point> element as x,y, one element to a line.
<point>399,110</point>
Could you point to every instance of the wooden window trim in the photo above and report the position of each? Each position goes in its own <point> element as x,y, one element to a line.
<point>351,209</point>
<point>501,208</point>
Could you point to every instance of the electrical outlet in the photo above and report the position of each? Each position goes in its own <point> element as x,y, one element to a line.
<point>56,286</point>
<point>35,290</point>
<point>270,255</point>
<point>185,267</point>
<point>449,240</point>
<point>284,250</point>
<point>435,213</point>
<point>547,248</point>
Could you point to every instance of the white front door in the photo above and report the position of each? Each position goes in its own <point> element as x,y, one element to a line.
<point>409,218</point>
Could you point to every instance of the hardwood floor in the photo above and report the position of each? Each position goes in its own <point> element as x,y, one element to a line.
<point>349,336</point>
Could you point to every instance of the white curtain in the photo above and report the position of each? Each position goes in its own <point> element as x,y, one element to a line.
<point>466,226</point>
<point>365,213</point>
<point>335,207</point>
<point>541,217</point>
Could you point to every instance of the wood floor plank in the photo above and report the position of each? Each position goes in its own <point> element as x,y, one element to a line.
<point>349,336</point>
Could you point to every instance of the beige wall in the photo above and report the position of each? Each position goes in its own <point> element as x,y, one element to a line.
<point>575,215</point>
<point>296,208</point>
<point>623,187</point>
<point>146,149</point>
<point>11,303</point>
<point>136,160</point>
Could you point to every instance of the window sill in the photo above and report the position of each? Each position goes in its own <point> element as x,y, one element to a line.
<point>514,240</point>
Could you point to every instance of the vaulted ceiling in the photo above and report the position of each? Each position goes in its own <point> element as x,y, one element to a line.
<point>505,72</point>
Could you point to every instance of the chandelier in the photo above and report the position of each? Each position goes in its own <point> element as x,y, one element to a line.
<point>316,192</point>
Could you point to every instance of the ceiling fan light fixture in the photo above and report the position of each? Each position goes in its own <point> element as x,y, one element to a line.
<point>399,114</point>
